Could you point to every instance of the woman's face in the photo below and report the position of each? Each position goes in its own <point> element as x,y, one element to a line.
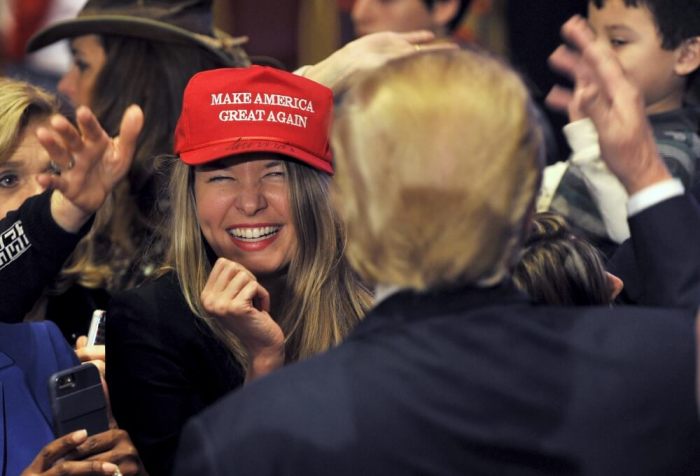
<point>371,16</point>
<point>18,174</point>
<point>243,211</point>
<point>89,58</point>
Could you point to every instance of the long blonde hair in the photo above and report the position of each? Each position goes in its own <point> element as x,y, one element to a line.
<point>323,298</point>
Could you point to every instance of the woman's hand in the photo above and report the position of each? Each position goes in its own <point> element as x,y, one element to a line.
<point>89,163</point>
<point>234,296</point>
<point>95,354</point>
<point>112,446</point>
<point>370,52</point>
<point>88,353</point>
<point>108,453</point>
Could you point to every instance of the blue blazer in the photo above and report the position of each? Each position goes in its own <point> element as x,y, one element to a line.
<point>29,354</point>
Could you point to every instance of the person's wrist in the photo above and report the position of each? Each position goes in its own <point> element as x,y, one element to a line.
<point>67,215</point>
<point>651,171</point>
<point>265,360</point>
<point>649,178</point>
<point>322,73</point>
<point>636,161</point>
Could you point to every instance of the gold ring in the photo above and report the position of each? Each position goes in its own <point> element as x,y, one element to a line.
<point>117,472</point>
<point>417,47</point>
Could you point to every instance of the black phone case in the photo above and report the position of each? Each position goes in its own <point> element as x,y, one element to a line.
<point>78,401</point>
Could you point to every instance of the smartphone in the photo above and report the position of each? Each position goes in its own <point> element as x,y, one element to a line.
<point>96,333</point>
<point>78,400</point>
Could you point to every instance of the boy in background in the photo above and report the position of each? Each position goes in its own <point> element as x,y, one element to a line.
<point>658,45</point>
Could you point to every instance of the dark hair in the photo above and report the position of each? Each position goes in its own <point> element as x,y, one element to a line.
<point>557,267</point>
<point>454,22</point>
<point>676,20</point>
<point>153,75</point>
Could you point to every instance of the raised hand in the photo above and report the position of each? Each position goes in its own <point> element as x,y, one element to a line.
<point>233,295</point>
<point>89,162</point>
<point>614,104</point>
<point>370,52</point>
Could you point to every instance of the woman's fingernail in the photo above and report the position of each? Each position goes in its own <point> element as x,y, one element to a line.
<point>110,468</point>
<point>79,436</point>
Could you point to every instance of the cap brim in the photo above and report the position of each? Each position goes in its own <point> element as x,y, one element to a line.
<point>245,145</point>
<point>124,26</point>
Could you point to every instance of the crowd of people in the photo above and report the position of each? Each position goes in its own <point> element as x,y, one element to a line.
<point>362,266</point>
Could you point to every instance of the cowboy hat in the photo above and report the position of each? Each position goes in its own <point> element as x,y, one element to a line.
<point>185,22</point>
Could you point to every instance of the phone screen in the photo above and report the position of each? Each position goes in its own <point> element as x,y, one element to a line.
<point>96,334</point>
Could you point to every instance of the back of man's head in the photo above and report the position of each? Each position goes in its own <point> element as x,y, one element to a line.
<point>438,160</point>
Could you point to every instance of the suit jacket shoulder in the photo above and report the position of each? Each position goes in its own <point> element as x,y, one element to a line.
<point>482,383</point>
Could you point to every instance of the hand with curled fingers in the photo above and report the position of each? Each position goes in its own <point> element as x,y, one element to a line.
<point>88,163</point>
<point>110,453</point>
<point>112,446</point>
<point>614,104</point>
<point>234,296</point>
<point>370,52</point>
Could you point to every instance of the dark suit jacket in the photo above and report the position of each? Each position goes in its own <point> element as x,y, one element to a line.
<point>469,381</point>
<point>164,366</point>
<point>660,263</point>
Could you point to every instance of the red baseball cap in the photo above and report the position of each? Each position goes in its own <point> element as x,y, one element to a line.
<point>233,111</point>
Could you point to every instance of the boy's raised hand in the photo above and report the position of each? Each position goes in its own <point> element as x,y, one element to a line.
<point>614,104</point>
<point>90,163</point>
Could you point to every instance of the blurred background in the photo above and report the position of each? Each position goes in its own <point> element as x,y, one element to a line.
<point>298,32</point>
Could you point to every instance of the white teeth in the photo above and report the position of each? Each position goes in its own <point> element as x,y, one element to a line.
<point>254,233</point>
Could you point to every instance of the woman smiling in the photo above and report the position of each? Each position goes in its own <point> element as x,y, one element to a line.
<point>256,275</point>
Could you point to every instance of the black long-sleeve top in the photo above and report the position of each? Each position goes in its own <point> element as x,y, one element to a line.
<point>33,248</point>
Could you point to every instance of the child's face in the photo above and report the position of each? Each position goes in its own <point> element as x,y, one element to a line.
<point>633,36</point>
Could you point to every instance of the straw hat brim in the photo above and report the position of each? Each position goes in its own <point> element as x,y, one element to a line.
<point>129,26</point>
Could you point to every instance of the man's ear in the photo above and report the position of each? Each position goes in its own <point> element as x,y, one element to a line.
<point>688,59</point>
<point>443,12</point>
<point>615,285</point>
